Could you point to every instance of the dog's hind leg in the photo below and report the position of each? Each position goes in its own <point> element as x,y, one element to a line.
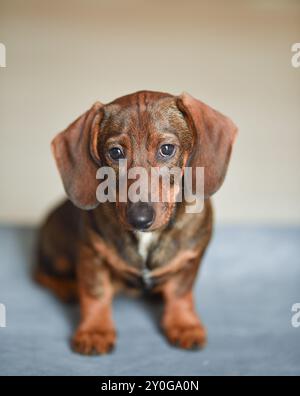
<point>56,252</point>
<point>58,276</point>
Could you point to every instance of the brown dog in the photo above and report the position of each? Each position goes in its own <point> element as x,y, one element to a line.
<point>93,250</point>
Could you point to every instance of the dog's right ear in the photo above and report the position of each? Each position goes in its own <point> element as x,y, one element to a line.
<point>75,152</point>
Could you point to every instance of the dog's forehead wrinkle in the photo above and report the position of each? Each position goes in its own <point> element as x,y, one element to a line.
<point>118,116</point>
<point>166,115</point>
<point>144,116</point>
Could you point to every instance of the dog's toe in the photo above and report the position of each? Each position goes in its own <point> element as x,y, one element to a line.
<point>187,337</point>
<point>94,342</point>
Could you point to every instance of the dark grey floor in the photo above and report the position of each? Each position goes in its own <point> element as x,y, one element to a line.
<point>249,281</point>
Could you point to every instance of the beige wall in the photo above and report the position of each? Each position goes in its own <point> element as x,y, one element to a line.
<point>62,55</point>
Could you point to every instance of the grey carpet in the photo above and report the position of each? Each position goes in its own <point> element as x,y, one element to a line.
<point>249,280</point>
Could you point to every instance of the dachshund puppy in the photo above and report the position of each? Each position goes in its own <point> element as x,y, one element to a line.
<point>92,250</point>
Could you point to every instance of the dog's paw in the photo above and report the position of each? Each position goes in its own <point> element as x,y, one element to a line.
<point>90,342</point>
<point>187,336</point>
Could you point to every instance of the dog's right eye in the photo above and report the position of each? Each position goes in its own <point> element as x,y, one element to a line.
<point>116,153</point>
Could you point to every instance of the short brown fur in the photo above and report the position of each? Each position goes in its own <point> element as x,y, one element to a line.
<point>89,250</point>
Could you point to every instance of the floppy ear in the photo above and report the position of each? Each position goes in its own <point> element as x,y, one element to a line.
<point>75,152</point>
<point>214,135</point>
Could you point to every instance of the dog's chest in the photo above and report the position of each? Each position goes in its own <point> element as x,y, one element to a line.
<point>145,241</point>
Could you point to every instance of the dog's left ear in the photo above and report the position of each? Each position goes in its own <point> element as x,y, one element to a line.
<point>214,135</point>
<point>77,159</point>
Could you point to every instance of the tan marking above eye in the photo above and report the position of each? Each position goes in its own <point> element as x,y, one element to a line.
<point>122,141</point>
<point>158,139</point>
<point>116,137</point>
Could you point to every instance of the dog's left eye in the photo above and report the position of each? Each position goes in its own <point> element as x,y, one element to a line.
<point>166,150</point>
<point>116,153</point>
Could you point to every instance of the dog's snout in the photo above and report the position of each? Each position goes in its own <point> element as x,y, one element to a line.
<point>140,215</point>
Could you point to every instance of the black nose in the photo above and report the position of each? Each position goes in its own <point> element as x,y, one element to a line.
<point>140,215</point>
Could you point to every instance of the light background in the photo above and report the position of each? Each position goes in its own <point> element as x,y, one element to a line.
<point>234,55</point>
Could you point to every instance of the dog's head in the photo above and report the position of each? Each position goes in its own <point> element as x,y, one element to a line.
<point>150,130</point>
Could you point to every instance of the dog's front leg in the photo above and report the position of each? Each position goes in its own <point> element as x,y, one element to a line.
<point>96,332</point>
<point>180,322</point>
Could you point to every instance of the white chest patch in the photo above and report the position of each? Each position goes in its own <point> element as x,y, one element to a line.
<point>145,240</point>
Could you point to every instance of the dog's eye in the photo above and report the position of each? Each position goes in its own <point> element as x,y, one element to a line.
<point>167,150</point>
<point>116,153</point>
